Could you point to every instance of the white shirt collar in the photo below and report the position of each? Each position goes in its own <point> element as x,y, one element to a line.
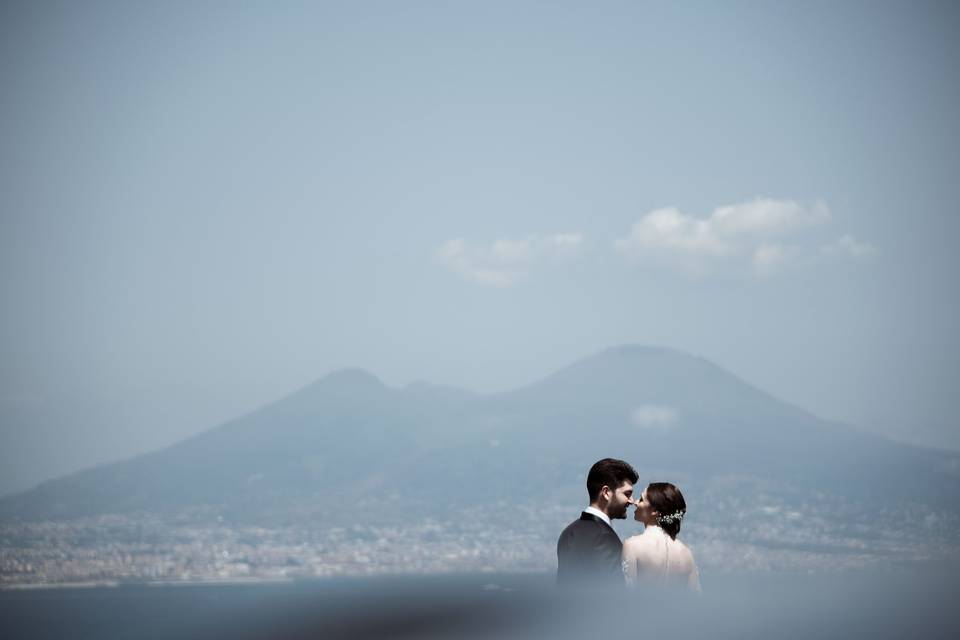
<point>600,514</point>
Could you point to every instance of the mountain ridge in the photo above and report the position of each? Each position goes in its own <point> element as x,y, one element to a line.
<point>659,407</point>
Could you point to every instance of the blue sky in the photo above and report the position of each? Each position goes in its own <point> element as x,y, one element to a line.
<point>205,207</point>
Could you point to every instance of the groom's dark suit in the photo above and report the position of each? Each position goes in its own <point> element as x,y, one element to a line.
<point>588,553</point>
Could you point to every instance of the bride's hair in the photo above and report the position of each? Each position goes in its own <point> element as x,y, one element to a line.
<point>666,499</point>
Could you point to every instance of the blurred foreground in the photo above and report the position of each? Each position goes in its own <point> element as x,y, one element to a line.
<point>892,603</point>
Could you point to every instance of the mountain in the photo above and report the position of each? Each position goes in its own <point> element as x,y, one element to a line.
<point>348,439</point>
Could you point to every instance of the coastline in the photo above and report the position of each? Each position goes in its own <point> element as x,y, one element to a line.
<point>110,584</point>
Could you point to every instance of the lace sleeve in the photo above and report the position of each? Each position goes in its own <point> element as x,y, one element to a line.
<point>628,563</point>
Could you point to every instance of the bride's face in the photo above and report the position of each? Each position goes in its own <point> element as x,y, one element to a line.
<point>644,512</point>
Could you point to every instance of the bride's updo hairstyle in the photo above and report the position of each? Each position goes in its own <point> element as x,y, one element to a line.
<point>668,501</point>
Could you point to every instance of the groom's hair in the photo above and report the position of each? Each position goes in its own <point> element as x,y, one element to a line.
<point>609,472</point>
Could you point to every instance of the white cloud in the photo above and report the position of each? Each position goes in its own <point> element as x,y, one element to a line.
<point>766,217</point>
<point>511,251</point>
<point>848,246</point>
<point>749,235</point>
<point>652,416</point>
<point>506,261</point>
<point>460,259</point>
<point>670,230</point>
<point>769,259</point>
<point>561,243</point>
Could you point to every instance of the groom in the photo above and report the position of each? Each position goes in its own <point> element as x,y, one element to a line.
<point>588,551</point>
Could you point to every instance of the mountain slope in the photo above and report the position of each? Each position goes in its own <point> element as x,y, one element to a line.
<point>350,438</point>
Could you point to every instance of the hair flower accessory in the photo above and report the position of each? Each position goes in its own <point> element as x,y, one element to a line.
<point>676,516</point>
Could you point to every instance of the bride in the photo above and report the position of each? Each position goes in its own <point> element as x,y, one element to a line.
<point>656,556</point>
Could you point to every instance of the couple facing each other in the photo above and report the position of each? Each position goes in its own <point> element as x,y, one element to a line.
<point>589,551</point>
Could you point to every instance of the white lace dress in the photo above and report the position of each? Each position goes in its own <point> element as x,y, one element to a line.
<point>653,557</point>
